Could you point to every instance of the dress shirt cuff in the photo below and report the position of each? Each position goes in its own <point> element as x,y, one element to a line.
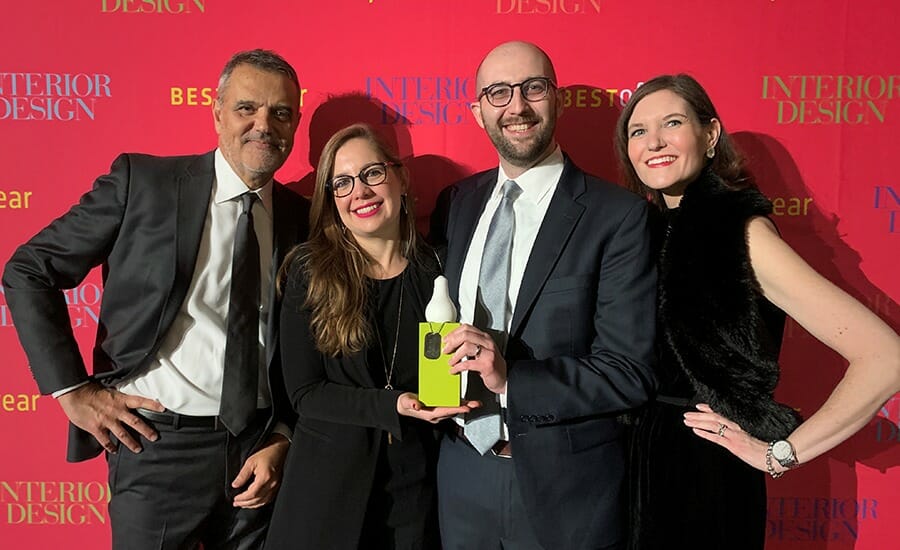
<point>282,429</point>
<point>59,393</point>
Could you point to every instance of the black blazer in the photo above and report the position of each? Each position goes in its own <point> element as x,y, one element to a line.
<point>143,223</point>
<point>580,350</point>
<point>332,463</point>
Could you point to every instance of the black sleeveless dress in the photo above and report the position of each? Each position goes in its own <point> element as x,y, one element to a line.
<point>688,492</point>
<point>718,341</point>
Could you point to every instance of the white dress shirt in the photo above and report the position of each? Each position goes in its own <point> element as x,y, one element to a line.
<point>538,184</point>
<point>186,374</point>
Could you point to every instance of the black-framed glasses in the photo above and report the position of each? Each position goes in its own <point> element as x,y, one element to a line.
<point>372,174</point>
<point>533,89</point>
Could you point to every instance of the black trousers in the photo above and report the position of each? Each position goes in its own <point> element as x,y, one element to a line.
<point>479,503</point>
<point>176,494</point>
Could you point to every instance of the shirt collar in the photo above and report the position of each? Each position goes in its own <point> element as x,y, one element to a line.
<point>537,181</point>
<point>229,186</point>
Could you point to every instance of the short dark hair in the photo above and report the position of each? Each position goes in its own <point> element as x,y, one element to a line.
<point>265,60</point>
<point>728,162</point>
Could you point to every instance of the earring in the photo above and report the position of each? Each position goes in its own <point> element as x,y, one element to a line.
<point>711,152</point>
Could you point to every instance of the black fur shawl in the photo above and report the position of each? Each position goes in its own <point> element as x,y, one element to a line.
<point>710,308</point>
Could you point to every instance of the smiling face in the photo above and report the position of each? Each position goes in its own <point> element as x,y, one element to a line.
<point>667,143</point>
<point>522,131</point>
<point>369,212</point>
<point>256,115</point>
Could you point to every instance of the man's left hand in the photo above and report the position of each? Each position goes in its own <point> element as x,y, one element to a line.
<point>475,350</point>
<point>264,467</point>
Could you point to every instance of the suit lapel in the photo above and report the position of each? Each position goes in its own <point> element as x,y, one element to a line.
<point>559,222</point>
<point>193,188</point>
<point>465,211</point>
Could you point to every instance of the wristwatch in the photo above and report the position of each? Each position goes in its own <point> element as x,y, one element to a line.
<point>783,452</point>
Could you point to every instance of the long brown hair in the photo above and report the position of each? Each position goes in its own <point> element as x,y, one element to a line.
<point>728,162</point>
<point>334,263</point>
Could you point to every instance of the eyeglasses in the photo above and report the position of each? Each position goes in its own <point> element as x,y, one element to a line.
<point>371,175</point>
<point>533,89</point>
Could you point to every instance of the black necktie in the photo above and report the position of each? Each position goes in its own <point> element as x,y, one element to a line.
<point>240,381</point>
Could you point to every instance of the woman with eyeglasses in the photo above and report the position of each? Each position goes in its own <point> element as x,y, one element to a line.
<point>361,470</point>
<point>701,451</point>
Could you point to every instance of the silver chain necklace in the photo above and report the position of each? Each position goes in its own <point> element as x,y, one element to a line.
<point>389,372</point>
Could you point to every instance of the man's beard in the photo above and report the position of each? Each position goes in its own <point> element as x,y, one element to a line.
<point>514,153</point>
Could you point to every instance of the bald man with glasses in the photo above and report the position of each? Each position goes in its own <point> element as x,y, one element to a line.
<point>553,273</point>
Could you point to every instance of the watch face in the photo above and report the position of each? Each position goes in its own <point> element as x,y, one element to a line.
<point>781,450</point>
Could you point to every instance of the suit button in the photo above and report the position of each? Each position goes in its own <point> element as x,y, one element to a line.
<point>533,419</point>
<point>523,418</point>
<point>551,418</point>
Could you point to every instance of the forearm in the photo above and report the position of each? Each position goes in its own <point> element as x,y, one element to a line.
<point>310,390</point>
<point>866,385</point>
<point>331,402</point>
<point>569,387</point>
<point>42,323</point>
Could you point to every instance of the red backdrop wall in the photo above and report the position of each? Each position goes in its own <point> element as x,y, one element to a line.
<point>809,87</point>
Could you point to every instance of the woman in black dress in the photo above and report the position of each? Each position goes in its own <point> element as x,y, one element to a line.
<point>361,470</point>
<point>726,279</point>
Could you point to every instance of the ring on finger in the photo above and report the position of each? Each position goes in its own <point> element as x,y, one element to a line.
<point>722,428</point>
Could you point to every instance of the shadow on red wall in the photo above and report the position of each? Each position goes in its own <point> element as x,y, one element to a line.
<point>428,173</point>
<point>829,516</point>
<point>586,130</point>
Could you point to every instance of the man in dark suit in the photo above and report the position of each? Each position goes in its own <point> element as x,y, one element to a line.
<point>569,345</point>
<point>195,452</point>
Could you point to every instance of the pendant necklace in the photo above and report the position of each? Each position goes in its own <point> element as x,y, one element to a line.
<point>389,370</point>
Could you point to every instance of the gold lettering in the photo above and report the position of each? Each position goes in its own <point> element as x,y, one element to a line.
<point>879,114</point>
<point>6,489</point>
<point>791,206</point>
<point>54,514</point>
<point>546,7</point>
<point>580,97</point>
<point>893,86</point>
<point>191,96</point>
<point>19,402</point>
<point>880,82</point>
<point>173,7</point>
<point>15,200</point>
<point>822,83</point>
<point>778,84</point>
<point>845,86</point>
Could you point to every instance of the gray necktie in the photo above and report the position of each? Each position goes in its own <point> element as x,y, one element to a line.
<point>483,425</point>
<point>240,380</point>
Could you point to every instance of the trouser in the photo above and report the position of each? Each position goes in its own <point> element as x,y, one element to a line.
<point>479,503</point>
<point>176,493</point>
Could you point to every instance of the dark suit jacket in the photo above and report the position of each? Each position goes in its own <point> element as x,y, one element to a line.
<point>143,223</point>
<point>332,463</point>
<point>580,350</point>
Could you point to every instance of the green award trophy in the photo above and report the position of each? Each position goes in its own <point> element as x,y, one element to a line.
<point>437,387</point>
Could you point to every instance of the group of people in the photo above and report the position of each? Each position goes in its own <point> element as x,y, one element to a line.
<point>255,373</point>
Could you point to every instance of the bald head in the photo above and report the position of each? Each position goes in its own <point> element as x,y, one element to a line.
<point>521,128</point>
<point>509,56</point>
